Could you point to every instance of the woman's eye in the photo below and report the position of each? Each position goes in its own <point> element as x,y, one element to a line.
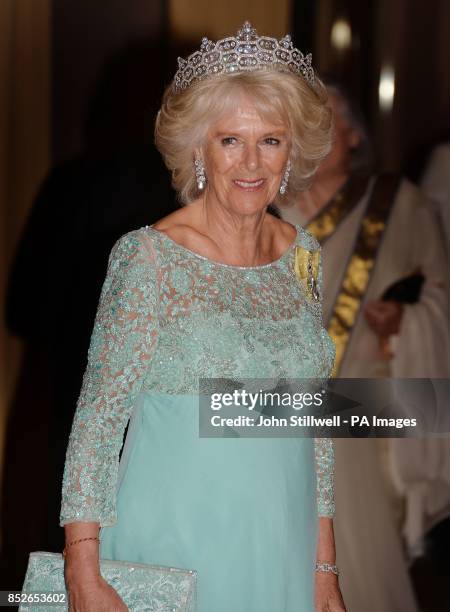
<point>229,140</point>
<point>272,141</point>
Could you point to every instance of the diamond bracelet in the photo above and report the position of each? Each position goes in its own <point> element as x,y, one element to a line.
<point>323,566</point>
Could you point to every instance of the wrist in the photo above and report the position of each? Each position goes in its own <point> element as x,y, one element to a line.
<point>82,560</point>
<point>71,543</point>
<point>81,573</point>
<point>327,579</point>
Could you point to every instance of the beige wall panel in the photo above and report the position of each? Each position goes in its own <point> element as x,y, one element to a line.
<point>190,20</point>
<point>24,146</point>
<point>390,40</point>
<point>31,105</point>
<point>5,79</point>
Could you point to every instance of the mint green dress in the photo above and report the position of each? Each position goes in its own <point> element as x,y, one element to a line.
<point>243,512</point>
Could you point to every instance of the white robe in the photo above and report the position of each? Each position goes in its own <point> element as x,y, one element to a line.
<point>370,551</point>
<point>435,184</point>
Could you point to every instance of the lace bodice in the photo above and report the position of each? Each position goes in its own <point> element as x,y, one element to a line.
<point>168,316</point>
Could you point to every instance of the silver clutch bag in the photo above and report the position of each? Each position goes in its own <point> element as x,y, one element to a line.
<point>153,588</point>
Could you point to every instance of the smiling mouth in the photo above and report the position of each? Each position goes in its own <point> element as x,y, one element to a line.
<point>249,185</point>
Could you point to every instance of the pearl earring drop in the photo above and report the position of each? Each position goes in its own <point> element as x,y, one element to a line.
<point>200,173</point>
<point>285,181</point>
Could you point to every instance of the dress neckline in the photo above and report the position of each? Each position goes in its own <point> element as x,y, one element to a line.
<point>222,264</point>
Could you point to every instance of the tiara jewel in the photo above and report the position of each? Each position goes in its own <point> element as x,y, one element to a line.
<point>244,52</point>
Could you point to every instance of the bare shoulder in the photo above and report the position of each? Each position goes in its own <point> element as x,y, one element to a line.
<point>283,233</point>
<point>290,233</point>
<point>174,219</point>
<point>181,226</point>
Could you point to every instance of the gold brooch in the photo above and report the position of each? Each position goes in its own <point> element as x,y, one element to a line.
<point>306,267</point>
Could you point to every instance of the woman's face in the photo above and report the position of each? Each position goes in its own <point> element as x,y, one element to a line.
<point>245,157</point>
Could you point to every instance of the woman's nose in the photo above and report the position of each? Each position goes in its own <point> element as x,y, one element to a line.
<point>251,158</point>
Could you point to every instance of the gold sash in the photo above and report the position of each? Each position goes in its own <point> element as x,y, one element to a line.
<point>327,220</point>
<point>362,260</point>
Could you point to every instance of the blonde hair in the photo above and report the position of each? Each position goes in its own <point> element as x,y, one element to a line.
<point>184,119</point>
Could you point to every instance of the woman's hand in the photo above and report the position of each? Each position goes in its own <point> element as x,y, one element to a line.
<point>93,594</point>
<point>328,594</point>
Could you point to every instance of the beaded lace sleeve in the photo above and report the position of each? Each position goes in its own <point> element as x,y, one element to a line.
<point>324,447</point>
<point>123,339</point>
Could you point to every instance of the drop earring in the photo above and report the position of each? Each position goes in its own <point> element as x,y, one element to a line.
<point>285,181</point>
<point>200,173</point>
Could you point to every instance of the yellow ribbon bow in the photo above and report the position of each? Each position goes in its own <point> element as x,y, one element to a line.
<point>306,267</point>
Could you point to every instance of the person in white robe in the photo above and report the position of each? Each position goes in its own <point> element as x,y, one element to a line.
<point>435,183</point>
<point>384,338</point>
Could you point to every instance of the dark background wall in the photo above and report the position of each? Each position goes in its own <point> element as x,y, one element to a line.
<point>412,36</point>
<point>87,37</point>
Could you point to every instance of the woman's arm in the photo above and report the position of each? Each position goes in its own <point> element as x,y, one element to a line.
<point>328,594</point>
<point>324,457</point>
<point>326,549</point>
<point>120,351</point>
<point>88,591</point>
<point>122,343</point>
<point>83,558</point>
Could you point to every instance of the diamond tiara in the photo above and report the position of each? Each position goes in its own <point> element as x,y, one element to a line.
<point>244,52</point>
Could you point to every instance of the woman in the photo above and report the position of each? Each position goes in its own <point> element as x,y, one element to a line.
<point>210,291</point>
<point>387,338</point>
